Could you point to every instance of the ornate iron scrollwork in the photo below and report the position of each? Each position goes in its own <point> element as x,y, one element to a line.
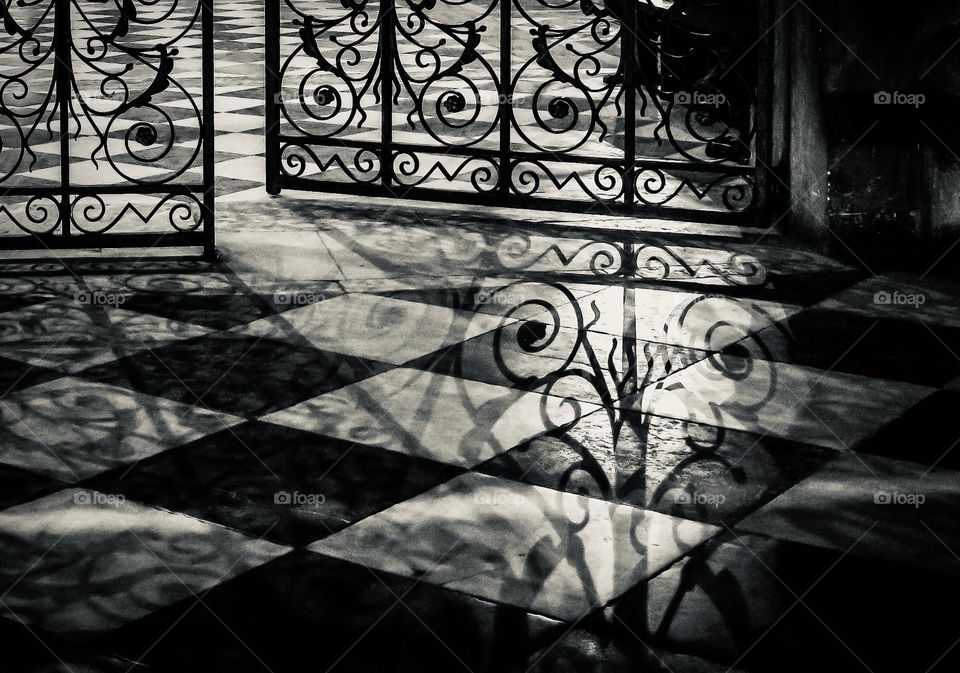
<point>647,105</point>
<point>96,82</point>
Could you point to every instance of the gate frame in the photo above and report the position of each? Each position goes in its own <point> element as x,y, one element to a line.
<point>755,215</point>
<point>66,239</point>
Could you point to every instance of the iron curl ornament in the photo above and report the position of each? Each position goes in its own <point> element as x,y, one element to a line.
<point>124,92</point>
<point>584,105</point>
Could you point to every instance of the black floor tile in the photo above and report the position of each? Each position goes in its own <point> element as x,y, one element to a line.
<point>927,433</point>
<point>18,485</point>
<point>308,612</point>
<point>33,650</point>
<point>461,298</point>
<point>245,376</point>
<point>287,485</point>
<point>10,302</point>
<point>586,650</point>
<point>884,349</point>
<point>16,375</point>
<point>737,603</point>
<point>216,311</point>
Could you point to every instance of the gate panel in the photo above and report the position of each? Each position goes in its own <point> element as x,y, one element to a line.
<point>106,124</point>
<point>641,106</point>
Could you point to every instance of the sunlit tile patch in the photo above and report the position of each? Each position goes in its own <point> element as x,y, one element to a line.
<point>553,553</point>
<point>71,429</point>
<point>433,416</point>
<point>81,562</point>
<point>285,256</point>
<point>807,405</point>
<point>695,320</point>
<point>381,328</point>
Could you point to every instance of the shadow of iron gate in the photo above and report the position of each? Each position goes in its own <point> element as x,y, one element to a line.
<point>653,107</point>
<point>106,128</point>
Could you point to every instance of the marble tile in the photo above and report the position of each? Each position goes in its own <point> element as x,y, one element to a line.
<point>70,429</point>
<point>893,510</point>
<point>69,336</point>
<point>281,255</point>
<point>145,279</point>
<point>385,329</point>
<point>828,409</point>
<point>582,649</point>
<point>215,371</point>
<point>337,616</point>
<point>217,311</point>
<point>737,602</point>
<point>432,416</point>
<point>530,355</point>
<point>521,298</point>
<point>552,553</point>
<point>16,375</point>
<point>897,350</point>
<point>111,561</point>
<point>927,433</point>
<point>19,485</point>
<point>266,480</point>
<point>688,319</point>
<point>679,468</point>
<point>892,296</point>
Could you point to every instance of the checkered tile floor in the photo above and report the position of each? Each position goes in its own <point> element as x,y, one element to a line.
<point>312,456</point>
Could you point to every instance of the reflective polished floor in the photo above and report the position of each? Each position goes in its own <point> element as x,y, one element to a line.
<point>373,439</point>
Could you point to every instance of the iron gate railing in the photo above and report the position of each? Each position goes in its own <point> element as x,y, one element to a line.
<point>106,124</point>
<point>641,106</point>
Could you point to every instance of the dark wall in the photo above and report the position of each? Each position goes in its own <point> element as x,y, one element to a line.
<point>879,181</point>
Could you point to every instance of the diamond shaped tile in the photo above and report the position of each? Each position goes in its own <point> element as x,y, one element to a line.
<point>216,371</point>
<point>381,328</point>
<point>71,429</point>
<point>339,617</point>
<point>828,409</point>
<point>69,336</point>
<point>550,552</point>
<point>886,509</point>
<point>110,560</point>
<point>684,469</point>
<point>288,485</point>
<point>433,416</point>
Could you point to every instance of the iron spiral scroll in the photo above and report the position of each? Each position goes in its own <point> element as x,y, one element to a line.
<point>106,107</point>
<point>570,104</point>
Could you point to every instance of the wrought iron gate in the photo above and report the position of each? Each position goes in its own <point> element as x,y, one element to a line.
<point>642,106</point>
<point>106,124</point>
